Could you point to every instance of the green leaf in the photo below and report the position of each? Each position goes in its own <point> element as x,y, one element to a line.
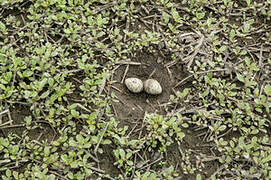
<point>184,93</point>
<point>181,135</point>
<point>45,94</point>
<point>205,93</point>
<point>248,2</point>
<point>165,16</point>
<point>51,82</point>
<point>232,34</point>
<point>74,164</point>
<point>232,144</point>
<point>222,49</point>
<point>8,173</point>
<point>80,138</point>
<point>74,113</point>
<point>15,174</point>
<point>67,31</point>
<point>198,177</point>
<point>64,158</point>
<point>2,87</point>
<point>3,27</point>
<point>52,99</point>
<point>240,77</point>
<point>95,139</point>
<point>106,141</point>
<point>251,83</point>
<point>70,175</point>
<point>72,142</point>
<point>246,27</point>
<point>27,73</point>
<point>243,52</point>
<point>200,15</point>
<point>99,20</point>
<point>42,83</point>
<point>222,127</point>
<point>267,159</point>
<point>185,125</point>
<point>247,60</point>
<point>122,153</point>
<point>246,155</point>
<point>267,90</point>
<point>175,15</point>
<point>46,150</point>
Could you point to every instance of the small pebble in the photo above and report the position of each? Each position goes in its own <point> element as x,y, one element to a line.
<point>135,85</point>
<point>151,86</point>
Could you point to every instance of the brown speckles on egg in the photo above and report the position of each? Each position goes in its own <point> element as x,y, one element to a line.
<point>135,85</point>
<point>152,86</point>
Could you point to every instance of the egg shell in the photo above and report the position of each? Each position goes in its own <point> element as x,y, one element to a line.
<point>135,85</point>
<point>152,86</point>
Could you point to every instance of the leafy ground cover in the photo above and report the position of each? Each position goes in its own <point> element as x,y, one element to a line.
<point>66,114</point>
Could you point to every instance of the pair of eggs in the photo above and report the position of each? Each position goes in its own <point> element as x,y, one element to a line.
<point>150,86</point>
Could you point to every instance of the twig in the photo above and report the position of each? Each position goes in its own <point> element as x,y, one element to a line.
<point>47,122</point>
<point>115,111</point>
<point>106,6</point>
<point>127,28</point>
<point>139,107</point>
<point>13,126</point>
<point>70,71</point>
<point>207,159</point>
<point>201,134</point>
<point>142,126</point>
<point>55,173</point>
<point>179,83</point>
<point>145,23</point>
<point>150,16</point>
<point>125,73</point>
<point>169,72</point>
<point>121,101</point>
<point>82,107</point>
<point>166,104</point>
<point>132,130</point>
<point>9,117</point>
<point>100,139</point>
<point>217,171</point>
<point>215,70</point>
<point>134,168</point>
<point>4,161</point>
<point>197,48</point>
<point>40,136</point>
<point>153,23</point>
<point>150,104</point>
<point>95,159</point>
<point>155,161</point>
<point>186,34</point>
<point>176,112</point>
<point>116,89</point>
<point>224,133</point>
<point>98,170</point>
<point>5,111</point>
<point>129,63</point>
<point>152,74</point>
<point>102,85</point>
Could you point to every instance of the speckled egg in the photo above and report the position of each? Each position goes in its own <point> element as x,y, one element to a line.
<point>135,85</point>
<point>151,86</point>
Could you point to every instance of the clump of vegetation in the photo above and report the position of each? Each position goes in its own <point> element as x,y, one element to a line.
<point>57,113</point>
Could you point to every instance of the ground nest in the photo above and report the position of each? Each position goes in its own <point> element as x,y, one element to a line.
<point>134,105</point>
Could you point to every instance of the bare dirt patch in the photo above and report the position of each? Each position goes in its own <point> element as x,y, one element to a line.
<point>134,106</point>
<point>42,130</point>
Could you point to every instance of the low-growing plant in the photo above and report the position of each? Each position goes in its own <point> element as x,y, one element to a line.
<point>163,130</point>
